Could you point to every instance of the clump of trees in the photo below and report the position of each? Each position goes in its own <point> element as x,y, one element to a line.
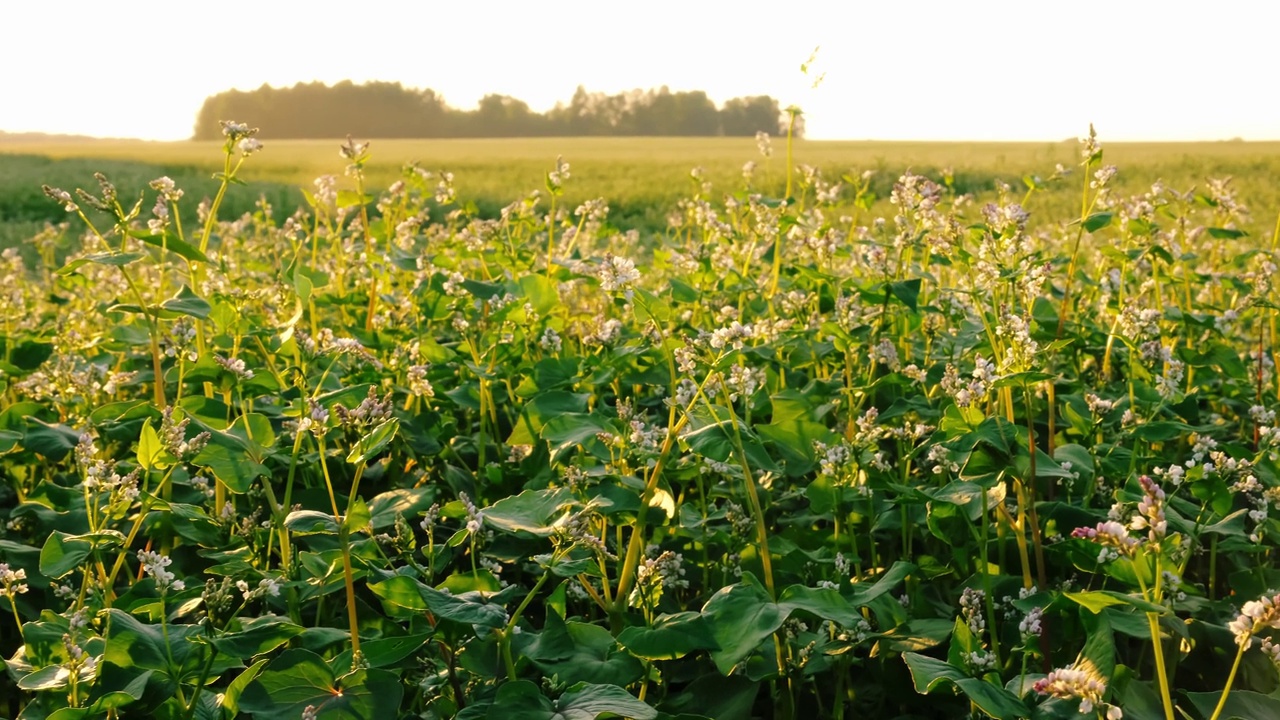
<point>390,110</point>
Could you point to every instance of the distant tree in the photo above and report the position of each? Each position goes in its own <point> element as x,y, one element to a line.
<point>390,110</point>
<point>749,115</point>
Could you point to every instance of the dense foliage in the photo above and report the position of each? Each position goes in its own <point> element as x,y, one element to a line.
<point>390,110</point>
<point>786,458</point>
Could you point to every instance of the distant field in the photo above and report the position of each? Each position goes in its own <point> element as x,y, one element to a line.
<point>640,177</point>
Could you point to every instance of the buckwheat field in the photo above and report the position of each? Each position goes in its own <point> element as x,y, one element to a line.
<point>790,434</point>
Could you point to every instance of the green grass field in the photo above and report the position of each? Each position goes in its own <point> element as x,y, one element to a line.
<point>641,178</point>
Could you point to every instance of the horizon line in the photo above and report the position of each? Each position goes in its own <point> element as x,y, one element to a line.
<point>40,135</point>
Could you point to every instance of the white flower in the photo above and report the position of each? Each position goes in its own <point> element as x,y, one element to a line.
<point>154,564</point>
<point>617,273</point>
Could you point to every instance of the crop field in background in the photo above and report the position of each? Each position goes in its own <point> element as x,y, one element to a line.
<point>651,443</point>
<point>641,178</point>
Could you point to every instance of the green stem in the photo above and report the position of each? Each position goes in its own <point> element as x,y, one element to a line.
<point>204,676</point>
<point>1231,679</point>
<point>509,630</point>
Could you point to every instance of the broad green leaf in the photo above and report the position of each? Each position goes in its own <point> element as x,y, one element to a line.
<point>540,292</point>
<point>231,698</point>
<point>863,594</point>
<point>591,701</point>
<point>583,653</point>
<point>357,518</point>
<point>257,635</point>
<point>401,591</point>
<point>231,465</point>
<point>51,440</point>
<point>150,449</point>
<point>1243,704</point>
<point>1097,221</point>
<point>170,242</point>
<point>133,643</point>
<point>368,447</point>
<point>468,608</point>
<point>671,637</point>
<point>823,603</point>
<point>299,679</point>
<point>311,522</point>
<point>187,302</point>
<point>928,673</point>
<point>907,292</point>
<point>741,617</point>
<point>521,700</point>
<point>104,258</point>
<point>1096,600</point>
<point>532,511</point>
<point>63,553</point>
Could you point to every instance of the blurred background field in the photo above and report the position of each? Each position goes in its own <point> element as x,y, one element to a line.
<point>641,178</point>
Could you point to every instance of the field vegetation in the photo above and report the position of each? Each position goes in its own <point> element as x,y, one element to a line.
<point>794,442</point>
<point>641,178</point>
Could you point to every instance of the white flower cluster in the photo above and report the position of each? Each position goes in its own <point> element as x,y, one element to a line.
<point>265,587</point>
<point>617,273</point>
<point>12,582</point>
<point>1256,615</point>
<point>155,564</point>
<point>1073,683</point>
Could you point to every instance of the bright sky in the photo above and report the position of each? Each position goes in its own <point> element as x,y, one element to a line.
<point>916,69</point>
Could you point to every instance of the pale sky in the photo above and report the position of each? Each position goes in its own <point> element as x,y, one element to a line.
<point>895,69</point>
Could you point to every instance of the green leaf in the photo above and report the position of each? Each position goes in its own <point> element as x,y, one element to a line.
<point>541,409</point>
<point>231,465</point>
<point>591,701</point>
<point>63,553</point>
<point>134,643</point>
<point>532,511</point>
<point>357,517</point>
<point>406,502</point>
<point>1240,704</point>
<point>1097,221</point>
<point>255,430</point>
<point>468,608</point>
<point>907,292</point>
<point>170,242</point>
<point>150,449</point>
<point>823,603</point>
<point>187,302</point>
<point>54,677</point>
<point>311,522</point>
<point>1096,600</point>
<point>540,292</point>
<point>368,447</point>
<point>864,594</point>
<point>51,440</point>
<point>231,698</point>
<point>580,652</point>
<point>386,651</point>
<point>299,679</point>
<point>401,591</point>
<point>671,637</point>
<point>1226,233</point>
<point>1099,653</point>
<point>103,258</point>
<point>741,617</point>
<point>351,198</point>
<point>521,700</point>
<point>928,673</point>
<point>257,635</point>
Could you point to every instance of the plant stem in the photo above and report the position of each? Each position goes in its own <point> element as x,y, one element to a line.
<point>509,630</point>
<point>1231,679</point>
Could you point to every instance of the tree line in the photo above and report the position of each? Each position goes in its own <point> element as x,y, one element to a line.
<point>390,110</point>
